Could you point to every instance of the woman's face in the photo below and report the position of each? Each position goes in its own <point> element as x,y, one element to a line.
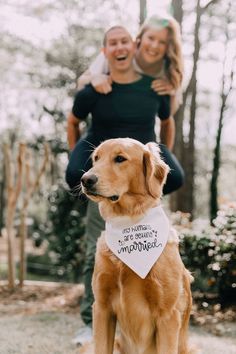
<point>153,45</point>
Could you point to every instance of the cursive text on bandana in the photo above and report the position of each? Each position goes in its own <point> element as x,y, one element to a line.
<point>139,245</point>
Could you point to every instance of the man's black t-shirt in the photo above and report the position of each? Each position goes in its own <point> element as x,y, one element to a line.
<point>129,110</point>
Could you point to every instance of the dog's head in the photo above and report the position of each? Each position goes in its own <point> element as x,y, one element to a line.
<point>127,177</point>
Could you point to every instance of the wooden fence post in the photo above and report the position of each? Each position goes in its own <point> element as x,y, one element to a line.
<point>31,185</point>
<point>14,185</point>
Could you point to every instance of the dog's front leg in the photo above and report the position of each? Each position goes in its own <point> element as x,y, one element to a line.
<point>104,327</point>
<point>168,328</point>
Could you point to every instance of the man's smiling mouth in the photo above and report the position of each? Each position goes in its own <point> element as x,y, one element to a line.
<point>121,57</point>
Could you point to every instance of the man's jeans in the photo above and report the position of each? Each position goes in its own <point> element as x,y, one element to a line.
<point>94,226</point>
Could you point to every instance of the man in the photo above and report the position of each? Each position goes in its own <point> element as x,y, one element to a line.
<point>129,110</point>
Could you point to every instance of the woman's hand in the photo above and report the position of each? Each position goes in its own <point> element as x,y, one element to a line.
<point>163,87</point>
<point>102,83</point>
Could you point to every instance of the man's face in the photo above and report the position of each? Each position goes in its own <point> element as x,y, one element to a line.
<point>119,49</point>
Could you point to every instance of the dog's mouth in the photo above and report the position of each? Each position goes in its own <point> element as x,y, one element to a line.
<point>90,188</point>
<point>91,193</point>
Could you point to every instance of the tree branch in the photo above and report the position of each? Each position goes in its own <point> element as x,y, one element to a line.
<point>212,2</point>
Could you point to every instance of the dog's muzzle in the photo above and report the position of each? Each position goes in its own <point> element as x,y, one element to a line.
<point>89,182</point>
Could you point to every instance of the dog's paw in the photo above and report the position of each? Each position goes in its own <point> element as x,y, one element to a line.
<point>88,348</point>
<point>193,349</point>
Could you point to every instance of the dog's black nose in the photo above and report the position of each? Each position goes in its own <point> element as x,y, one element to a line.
<point>88,181</point>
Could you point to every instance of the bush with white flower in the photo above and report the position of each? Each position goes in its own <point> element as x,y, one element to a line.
<point>211,255</point>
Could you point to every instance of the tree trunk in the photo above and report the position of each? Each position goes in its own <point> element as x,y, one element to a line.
<point>177,7</point>
<point>185,151</point>
<point>11,245</point>
<point>142,11</point>
<point>216,165</point>
<point>14,185</point>
<point>225,91</point>
<point>23,237</point>
<point>184,147</point>
<point>2,200</point>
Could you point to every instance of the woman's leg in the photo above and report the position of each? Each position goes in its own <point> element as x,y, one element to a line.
<point>79,162</point>
<point>175,178</point>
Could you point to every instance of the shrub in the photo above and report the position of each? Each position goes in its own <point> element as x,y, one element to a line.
<point>211,256</point>
<point>64,232</point>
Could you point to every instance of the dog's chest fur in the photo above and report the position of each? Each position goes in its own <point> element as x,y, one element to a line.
<point>135,302</point>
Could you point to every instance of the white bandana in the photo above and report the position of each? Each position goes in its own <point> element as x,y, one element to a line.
<point>139,245</point>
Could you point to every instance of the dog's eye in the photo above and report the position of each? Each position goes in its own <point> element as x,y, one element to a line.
<point>119,159</point>
<point>96,158</point>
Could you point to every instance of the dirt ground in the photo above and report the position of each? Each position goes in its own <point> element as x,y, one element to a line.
<point>43,318</point>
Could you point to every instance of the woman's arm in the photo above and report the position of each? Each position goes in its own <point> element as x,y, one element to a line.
<point>164,87</point>
<point>100,82</point>
<point>98,75</point>
<point>84,80</point>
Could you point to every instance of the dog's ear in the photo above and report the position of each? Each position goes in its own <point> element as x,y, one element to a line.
<point>155,170</point>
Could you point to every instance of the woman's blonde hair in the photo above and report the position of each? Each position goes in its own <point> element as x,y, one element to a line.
<point>173,57</point>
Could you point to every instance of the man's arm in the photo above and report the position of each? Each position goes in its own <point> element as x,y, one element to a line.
<point>73,130</point>
<point>167,132</point>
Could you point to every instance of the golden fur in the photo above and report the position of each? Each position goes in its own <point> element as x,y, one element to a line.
<point>152,313</point>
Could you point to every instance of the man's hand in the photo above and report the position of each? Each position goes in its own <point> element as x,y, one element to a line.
<point>163,87</point>
<point>102,83</point>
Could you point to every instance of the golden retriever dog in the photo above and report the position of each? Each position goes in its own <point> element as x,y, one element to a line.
<point>152,305</point>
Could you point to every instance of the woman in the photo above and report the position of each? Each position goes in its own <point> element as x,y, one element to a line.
<point>158,55</point>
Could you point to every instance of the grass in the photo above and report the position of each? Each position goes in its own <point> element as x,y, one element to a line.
<point>29,275</point>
